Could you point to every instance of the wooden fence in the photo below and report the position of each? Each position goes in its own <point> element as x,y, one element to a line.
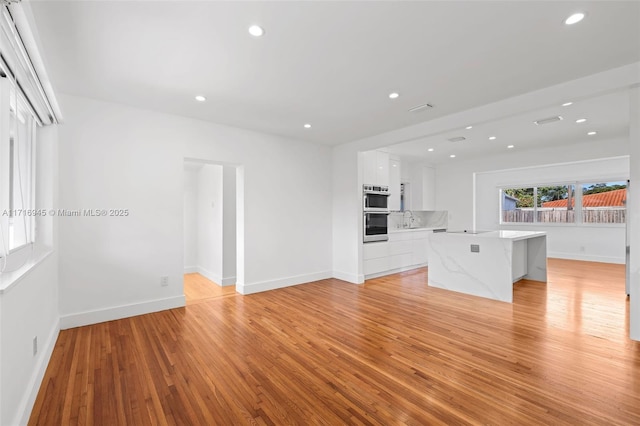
<point>563,216</point>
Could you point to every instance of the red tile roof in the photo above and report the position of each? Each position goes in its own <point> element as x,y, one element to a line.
<point>615,198</point>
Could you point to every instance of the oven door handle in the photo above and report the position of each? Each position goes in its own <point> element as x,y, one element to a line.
<point>385,213</point>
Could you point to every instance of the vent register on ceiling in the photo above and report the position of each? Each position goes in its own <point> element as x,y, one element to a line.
<point>24,105</point>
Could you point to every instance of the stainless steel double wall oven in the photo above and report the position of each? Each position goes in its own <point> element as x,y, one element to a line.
<point>375,201</point>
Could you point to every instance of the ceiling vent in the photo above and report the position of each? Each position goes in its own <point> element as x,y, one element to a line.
<point>548,120</point>
<point>457,139</point>
<point>420,108</point>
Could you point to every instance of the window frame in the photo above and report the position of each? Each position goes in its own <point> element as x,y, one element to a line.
<point>8,146</point>
<point>578,207</point>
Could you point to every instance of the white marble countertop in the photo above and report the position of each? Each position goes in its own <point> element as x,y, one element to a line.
<point>508,235</point>
<point>394,230</point>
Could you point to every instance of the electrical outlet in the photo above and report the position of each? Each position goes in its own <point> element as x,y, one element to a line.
<point>35,345</point>
<point>582,249</point>
<point>164,281</point>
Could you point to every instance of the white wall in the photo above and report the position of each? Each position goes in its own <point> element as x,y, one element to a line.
<point>229,225</point>
<point>454,182</point>
<point>190,220</point>
<point>209,206</point>
<point>29,308</point>
<point>591,242</point>
<point>347,232</point>
<point>347,214</point>
<point>633,209</point>
<point>113,156</point>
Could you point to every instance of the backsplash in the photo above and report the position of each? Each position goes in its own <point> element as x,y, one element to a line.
<point>418,219</point>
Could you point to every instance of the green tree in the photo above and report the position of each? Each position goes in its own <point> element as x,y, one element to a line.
<point>552,193</point>
<point>524,196</point>
<point>597,188</point>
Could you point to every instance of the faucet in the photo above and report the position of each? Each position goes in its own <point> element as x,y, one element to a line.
<point>404,219</point>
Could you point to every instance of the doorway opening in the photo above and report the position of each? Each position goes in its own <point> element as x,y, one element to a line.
<point>212,195</point>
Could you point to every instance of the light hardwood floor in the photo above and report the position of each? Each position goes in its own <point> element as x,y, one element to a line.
<point>198,289</point>
<point>392,351</point>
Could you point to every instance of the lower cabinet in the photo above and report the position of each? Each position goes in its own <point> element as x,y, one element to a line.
<point>376,257</point>
<point>404,250</point>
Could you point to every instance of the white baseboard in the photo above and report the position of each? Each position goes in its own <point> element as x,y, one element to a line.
<point>282,282</point>
<point>587,257</point>
<point>29,398</point>
<point>190,269</point>
<point>228,281</point>
<point>216,278</point>
<point>350,278</point>
<point>119,312</point>
<point>394,271</point>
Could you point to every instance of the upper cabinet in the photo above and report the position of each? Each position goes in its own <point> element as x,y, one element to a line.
<point>420,180</point>
<point>421,187</point>
<point>376,168</point>
<point>394,184</point>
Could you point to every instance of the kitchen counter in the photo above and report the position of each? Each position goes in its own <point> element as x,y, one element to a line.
<point>394,230</point>
<point>509,235</point>
<point>486,263</point>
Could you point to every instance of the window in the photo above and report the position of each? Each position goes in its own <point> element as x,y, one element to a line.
<point>596,203</point>
<point>17,150</point>
<point>604,202</point>
<point>556,204</point>
<point>518,205</point>
<point>538,204</point>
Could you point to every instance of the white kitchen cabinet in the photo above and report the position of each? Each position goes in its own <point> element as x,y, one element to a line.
<point>382,162</point>
<point>375,168</point>
<point>375,250</point>
<point>419,251</point>
<point>375,257</point>
<point>400,247</point>
<point>376,266</point>
<point>394,184</point>
<point>404,171</point>
<point>422,187</point>
<point>405,250</point>
<point>400,261</point>
<point>370,168</point>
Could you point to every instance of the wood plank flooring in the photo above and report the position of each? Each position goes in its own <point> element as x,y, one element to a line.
<point>198,289</point>
<point>392,351</point>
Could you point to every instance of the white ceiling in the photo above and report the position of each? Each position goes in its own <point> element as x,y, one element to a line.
<point>607,115</point>
<point>331,64</point>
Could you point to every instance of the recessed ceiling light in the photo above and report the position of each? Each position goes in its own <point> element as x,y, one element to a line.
<point>574,19</point>
<point>581,120</point>
<point>510,146</point>
<point>256,31</point>
<point>492,138</point>
<point>592,133</point>
<point>452,156</point>
<point>307,126</point>
<point>393,95</point>
<point>200,98</point>
<point>430,150</point>
<point>567,103</point>
<point>469,127</point>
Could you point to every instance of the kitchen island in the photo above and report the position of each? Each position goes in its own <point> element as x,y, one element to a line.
<point>486,263</point>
